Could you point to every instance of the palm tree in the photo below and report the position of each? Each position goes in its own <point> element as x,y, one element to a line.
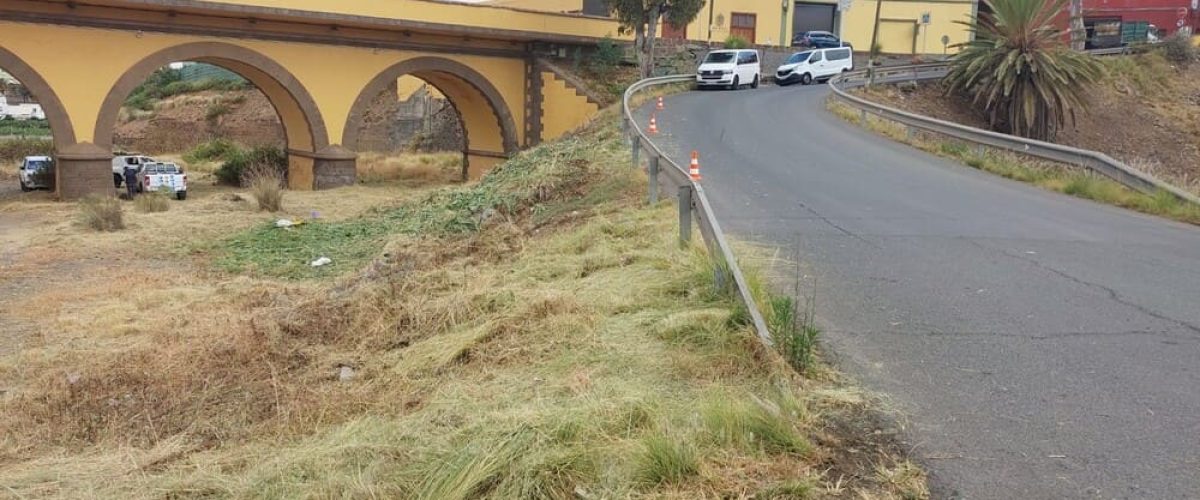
<point>1017,68</point>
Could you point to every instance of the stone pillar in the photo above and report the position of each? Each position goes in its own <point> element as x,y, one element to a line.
<point>334,166</point>
<point>83,169</point>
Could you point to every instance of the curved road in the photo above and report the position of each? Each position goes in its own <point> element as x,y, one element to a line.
<point>1042,346</point>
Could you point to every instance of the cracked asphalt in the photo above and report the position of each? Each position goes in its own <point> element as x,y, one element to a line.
<point>1040,346</point>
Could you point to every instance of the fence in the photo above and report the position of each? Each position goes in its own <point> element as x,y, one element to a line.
<point>1091,160</point>
<point>693,203</point>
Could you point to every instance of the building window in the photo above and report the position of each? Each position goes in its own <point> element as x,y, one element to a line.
<point>742,25</point>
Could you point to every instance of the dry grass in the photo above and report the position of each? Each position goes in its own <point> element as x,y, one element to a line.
<point>101,213</point>
<point>152,202</point>
<point>266,186</point>
<point>412,168</point>
<point>537,355</point>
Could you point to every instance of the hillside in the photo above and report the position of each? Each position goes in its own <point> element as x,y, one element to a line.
<point>1145,113</point>
<point>537,334</point>
<point>181,122</point>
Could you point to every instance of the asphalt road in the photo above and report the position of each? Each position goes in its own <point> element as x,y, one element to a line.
<point>1041,346</point>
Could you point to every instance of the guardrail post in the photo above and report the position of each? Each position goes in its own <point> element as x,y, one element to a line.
<point>653,174</point>
<point>980,150</point>
<point>685,215</point>
<point>719,277</point>
<point>862,117</point>
<point>909,133</point>
<point>636,141</point>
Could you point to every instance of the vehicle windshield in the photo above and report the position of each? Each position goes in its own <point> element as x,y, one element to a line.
<point>719,57</point>
<point>37,164</point>
<point>799,57</point>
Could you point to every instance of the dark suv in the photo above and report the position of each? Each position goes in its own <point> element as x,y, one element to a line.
<point>818,40</point>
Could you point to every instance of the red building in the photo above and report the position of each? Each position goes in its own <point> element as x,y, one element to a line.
<point>1109,22</point>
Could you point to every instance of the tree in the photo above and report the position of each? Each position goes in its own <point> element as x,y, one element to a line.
<point>1078,32</point>
<point>1017,68</point>
<point>642,17</point>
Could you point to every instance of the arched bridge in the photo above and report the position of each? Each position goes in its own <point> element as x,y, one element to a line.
<point>319,63</point>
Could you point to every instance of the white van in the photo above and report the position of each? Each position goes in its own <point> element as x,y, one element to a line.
<point>730,69</point>
<point>816,64</point>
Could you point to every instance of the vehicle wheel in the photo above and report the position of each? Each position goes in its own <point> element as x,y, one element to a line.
<point>735,85</point>
<point>805,79</point>
<point>182,195</point>
<point>755,84</point>
<point>117,181</point>
<point>24,188</point>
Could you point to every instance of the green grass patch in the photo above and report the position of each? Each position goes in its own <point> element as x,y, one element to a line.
<point>538,183</point>
<point>667,459</point>
<point>24,128</point>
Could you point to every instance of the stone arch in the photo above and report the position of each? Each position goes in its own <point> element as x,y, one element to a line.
<point>488,126</point>
<point>304,128</point>
<point>61,127</point>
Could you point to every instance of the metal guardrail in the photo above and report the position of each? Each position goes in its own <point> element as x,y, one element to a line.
<point>692,202</point>
<point>1091,160</point>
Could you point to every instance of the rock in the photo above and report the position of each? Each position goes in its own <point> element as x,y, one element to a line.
<point>346,373</point>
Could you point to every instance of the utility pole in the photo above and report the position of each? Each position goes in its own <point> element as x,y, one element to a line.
<point>1078,32</point>
<point>874,42</point>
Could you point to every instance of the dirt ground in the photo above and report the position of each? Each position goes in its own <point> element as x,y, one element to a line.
<point>1146,113</point>
<point>50,265</point>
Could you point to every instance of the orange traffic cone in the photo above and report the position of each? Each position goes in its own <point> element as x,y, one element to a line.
<point>694,168</point>
<point>653,125</point>
<point>661,105</point>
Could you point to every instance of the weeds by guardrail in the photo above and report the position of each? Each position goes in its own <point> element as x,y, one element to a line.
<point>1090,160</point>
<point>693,203</point>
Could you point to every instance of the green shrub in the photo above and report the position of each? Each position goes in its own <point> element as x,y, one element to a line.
<point>232,171</point>
<point>216,110</point>
<point>101,213</point>
<point>736,42</point>
<point>1178,49</point>
<point>794,333</point>
<point>214,150</point>
<point>13,150</point>
<point>606,58</point>
<point>152,202</point>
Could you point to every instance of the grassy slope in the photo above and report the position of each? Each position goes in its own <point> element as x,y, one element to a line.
<point>561,346</point>
<point>1052,176</point>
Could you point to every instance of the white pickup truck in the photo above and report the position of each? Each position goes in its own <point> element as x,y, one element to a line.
<point>160,176</point>
<point>120,162</point>
<point>33,172</point>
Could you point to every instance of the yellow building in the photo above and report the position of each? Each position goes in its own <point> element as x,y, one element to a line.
<point>908,26</point>
<point>905,27</point>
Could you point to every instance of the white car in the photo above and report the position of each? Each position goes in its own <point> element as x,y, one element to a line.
<point>816,64</point>
<point>730,69</point>
<point>34,171</point>
<point>120,162</point>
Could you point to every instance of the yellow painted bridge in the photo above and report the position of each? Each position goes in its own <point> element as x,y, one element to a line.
<point>319,62</point>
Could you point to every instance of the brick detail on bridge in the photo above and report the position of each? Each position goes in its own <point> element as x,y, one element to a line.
<point>334,166</point>
<point>83,169</point>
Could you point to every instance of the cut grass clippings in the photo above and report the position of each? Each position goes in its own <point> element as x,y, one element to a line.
<point>1055,177</point>
<point>506,341</point>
